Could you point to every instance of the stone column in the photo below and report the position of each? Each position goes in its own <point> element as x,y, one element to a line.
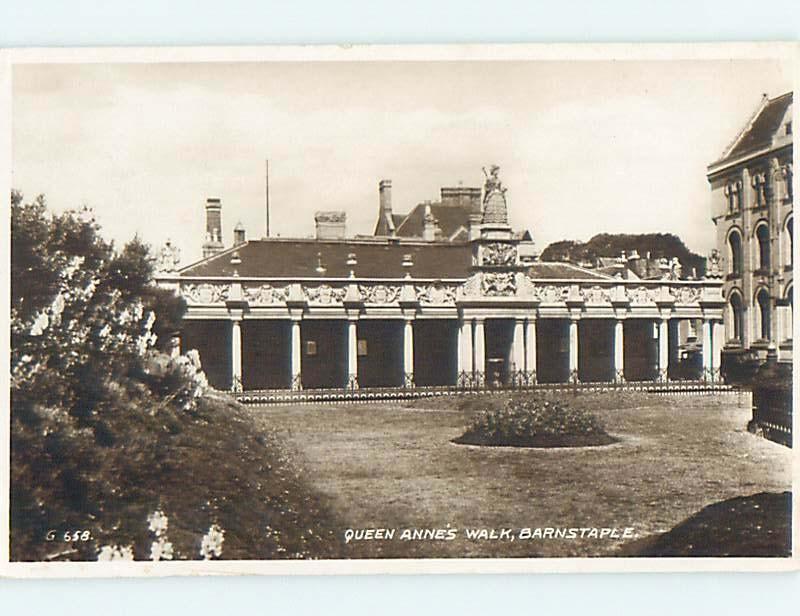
<point>619,351</point>
<point>352,353</point>
<point>708,362</point>
<point>296,361</point>
<point>573,351</point>
<point>480,353</point>
<point>663,349</point>
<point>465,364</point>
<point>408,353</point>
<point>530,351</point>
<point>717,342</point>
<point>518,352</point>
<point>236,354</point>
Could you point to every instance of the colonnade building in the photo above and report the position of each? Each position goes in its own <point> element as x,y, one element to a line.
<point>753,210</point>
<point>446,296</point>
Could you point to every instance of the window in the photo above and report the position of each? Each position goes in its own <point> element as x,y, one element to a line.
<point>788,128</point>
<point>361,349</point>
<point>790,243</point>
<point>737,315</point>
<point>311,348</point>
<point>733,195</point>
<point>762,299</point>
<point>735,245</point>
<point>762,235</point>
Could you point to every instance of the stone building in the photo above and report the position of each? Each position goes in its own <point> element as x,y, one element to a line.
<point>752,208</point>
<point>465,306</point>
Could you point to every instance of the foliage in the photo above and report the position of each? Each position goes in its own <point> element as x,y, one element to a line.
<point>107,430</point>
<point>528,421</point>
<point>659,245</point>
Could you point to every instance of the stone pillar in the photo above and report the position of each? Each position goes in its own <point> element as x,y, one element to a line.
<point>530,351</point>
<point>619,351</point>
<point>708,362</point>
<point>480,353</point>
<point>573,350</point>
<point>717,342</point>
<point>352,353</point>
<point>296,361</point>
<point>663,349</point>
<point>465,364</point>
<point>408,353</point>
<point>236,354</point>
<point>518,352</point>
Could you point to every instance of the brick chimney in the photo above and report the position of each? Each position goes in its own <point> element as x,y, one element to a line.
<point>213,242</point>
<point>330,225</point>
<point>385,224</point>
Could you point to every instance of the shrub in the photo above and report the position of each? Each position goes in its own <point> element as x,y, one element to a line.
<point>526,421</point>
<point>108,433</point>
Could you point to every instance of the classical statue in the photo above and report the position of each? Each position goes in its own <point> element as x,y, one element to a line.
<point>713,265</point>
<point>168,258</point>
<point>493,182</point>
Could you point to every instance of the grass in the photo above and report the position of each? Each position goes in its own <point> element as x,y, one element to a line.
<point>389,465</point>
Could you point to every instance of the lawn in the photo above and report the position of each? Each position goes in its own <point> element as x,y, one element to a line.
<point>392,465</point>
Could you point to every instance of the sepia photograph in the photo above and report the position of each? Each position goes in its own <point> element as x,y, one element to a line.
<point>400,309</point>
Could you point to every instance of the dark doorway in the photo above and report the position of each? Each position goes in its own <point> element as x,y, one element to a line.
<point>435,347</point>
<point>595,350</point>
<point>212,340</point>
<point>552,350</point>
<point>380,353</point>
<point>499,335</point>
<point>323,353</point>
<point>266,354</point>
<point>640,350</point>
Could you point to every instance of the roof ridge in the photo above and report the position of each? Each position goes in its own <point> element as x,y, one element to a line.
<point>765,100</point>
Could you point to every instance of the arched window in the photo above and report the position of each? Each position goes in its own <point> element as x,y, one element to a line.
<point>789,326</point>
<point>737,316</point>
<point>762,235</point>
<point>735,246</point>
<point>762,299</point>
<point>790,242</point>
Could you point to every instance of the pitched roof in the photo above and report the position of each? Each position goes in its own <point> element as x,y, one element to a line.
<point>558,270</point>
<point>760,130</point>
<point>300,258</point>
<point>449,218</point>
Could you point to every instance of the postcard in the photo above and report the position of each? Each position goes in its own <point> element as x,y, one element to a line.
<point>392,309</point>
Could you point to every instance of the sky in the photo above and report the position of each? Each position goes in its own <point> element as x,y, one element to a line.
<point>583,147</point>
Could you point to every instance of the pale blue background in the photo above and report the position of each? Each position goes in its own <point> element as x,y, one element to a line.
<point>154,22</point>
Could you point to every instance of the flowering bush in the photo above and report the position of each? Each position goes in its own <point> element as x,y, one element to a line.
<point>527,421</point>
<point>109,432</point>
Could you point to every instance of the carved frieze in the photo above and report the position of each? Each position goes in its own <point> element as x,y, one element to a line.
<point>265,294</point>
<point>380,294</point>
<point>500,284</point>
<point>325,294</point>
<point>686,295</point>
<point>642,295</point>
<point>499,254</point>
<point>205,293</point>
<point>552,294</point>
<point>596,295</point>
<point>436,293</point>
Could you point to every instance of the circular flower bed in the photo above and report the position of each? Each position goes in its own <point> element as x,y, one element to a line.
<point>532,422</point>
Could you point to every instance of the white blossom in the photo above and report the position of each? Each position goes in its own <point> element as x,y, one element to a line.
<point>158,522</point>
<point>161,549</point>
<point>40,324</point>
<point>115,552</point>
<point>211,545</point>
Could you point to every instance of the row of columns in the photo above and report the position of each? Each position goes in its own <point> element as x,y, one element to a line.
<point>472,349</point>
